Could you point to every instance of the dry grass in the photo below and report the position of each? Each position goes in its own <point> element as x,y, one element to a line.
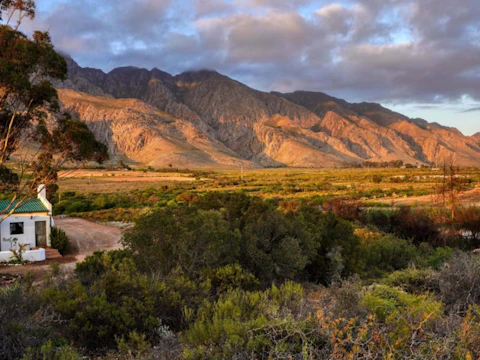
<point>407,186</point>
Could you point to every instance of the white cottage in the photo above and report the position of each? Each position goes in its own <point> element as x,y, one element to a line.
<point>30,223</point>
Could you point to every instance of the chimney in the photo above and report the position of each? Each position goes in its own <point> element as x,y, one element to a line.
<point>42,195</point>
<point>42,192</point>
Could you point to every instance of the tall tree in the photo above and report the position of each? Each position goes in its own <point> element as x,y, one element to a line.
<point>30,115</point>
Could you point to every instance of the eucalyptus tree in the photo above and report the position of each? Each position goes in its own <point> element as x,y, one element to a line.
<point>36,137</point>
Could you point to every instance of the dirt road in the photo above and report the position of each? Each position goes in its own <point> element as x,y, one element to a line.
<point>85,237</point>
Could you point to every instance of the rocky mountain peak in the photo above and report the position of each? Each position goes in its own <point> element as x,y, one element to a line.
<point>202,118</point>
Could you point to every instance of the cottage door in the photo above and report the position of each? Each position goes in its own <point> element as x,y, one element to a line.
<point>41,233</point>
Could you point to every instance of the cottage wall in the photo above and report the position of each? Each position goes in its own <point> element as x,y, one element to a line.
<point>28,236</point>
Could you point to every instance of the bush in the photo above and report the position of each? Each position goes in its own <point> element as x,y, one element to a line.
<point>59,240</point>
<point>252,325</point>
<point>407,223</point>
<point>232,277</point>
<point>49,351</point>
<point>385,254</point>
<point>116,304</point>
<point>181,236</point>
<point>459,282</point>
<point>77,206</point>
<point>416,281</point>
<point>20,322</point>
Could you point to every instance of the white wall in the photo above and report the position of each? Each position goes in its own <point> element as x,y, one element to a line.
<point>30,255</point>
<point>28,236</point>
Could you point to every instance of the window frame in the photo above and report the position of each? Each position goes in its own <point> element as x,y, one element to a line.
<point>21,225</point>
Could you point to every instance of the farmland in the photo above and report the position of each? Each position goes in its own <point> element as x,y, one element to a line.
<point>112,195</point>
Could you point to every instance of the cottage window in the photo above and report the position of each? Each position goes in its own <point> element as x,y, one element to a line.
<point>16,228</point>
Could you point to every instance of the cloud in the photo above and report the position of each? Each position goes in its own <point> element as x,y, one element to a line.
<point>475,109</point>
<point>398,51</point>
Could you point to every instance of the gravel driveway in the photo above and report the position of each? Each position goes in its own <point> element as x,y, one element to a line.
<point>85,237</point>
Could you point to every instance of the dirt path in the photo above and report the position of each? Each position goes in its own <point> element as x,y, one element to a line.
<point>85,237</point>
<point>470,197</point>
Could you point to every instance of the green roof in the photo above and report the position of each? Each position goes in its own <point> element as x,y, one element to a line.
<point>27,206</point>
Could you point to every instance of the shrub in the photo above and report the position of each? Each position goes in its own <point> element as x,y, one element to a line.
<point>20,325</point>
<point>377,179</point>
<point>387,253</point>
<point>333,247</point>
<point>405,222</point>
<point>393,306</point>
<point>181,236</point>
<point>49,351</point>
<point>251,325</point>
<point>95,265</point>
<point>459,282</point>
<point>411,280</point>
<point>119,302</point>
<point>77,206</point>
<point>59,240</point>
<point>232,277</point>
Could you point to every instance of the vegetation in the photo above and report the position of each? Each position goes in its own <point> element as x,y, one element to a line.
<point>59,240</point>
<point>228,275</point>
<point>283,264</point>
<point>27,100</point>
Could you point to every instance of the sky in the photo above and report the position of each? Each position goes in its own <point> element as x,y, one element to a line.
<point>417,57</point>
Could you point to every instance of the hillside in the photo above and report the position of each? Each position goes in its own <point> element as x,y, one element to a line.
<point>205,119</point>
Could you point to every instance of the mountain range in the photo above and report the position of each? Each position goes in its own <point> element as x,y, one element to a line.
<point>202,119</point>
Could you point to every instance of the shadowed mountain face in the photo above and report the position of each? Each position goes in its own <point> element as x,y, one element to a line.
<point>205,119</point>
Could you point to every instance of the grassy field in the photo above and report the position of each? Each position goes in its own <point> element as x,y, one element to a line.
<point>360,184</point>
<point>120,195</point>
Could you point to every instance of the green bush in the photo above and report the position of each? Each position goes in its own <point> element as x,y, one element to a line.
<point>77,206</point>
<point>416,281</point>
<point>49,351</point>
<point>181,236</point>
<point>231,277</point>
<point>252,325</point>
<point>391,305</point>
<point>119,302</point>
<point>20,326</point>
<point>387,253</point>
<point>59,240</point>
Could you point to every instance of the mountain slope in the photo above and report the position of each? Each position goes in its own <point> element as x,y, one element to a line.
<point>218,120</point>
<point>147,135</point>
<point>375,132</point>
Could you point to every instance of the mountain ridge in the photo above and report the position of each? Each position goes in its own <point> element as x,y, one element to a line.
<point>299,129</point>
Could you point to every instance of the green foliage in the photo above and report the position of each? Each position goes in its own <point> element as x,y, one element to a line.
<point>59,240</point>
<point>411,280</point>
<point>390,304</point>
<point>387,253</point>
<point>111,300</point>
<point>27,99</point>
<point>49,351</point>
<point>181,236</point>
<point>338,252</point>
<point>255,324</point>
<point>134,345</point>
<point>97,264</point>
<point>231,277</point>
<point>117,303</point>
<point>435,258</point>
<point>20,327</point>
